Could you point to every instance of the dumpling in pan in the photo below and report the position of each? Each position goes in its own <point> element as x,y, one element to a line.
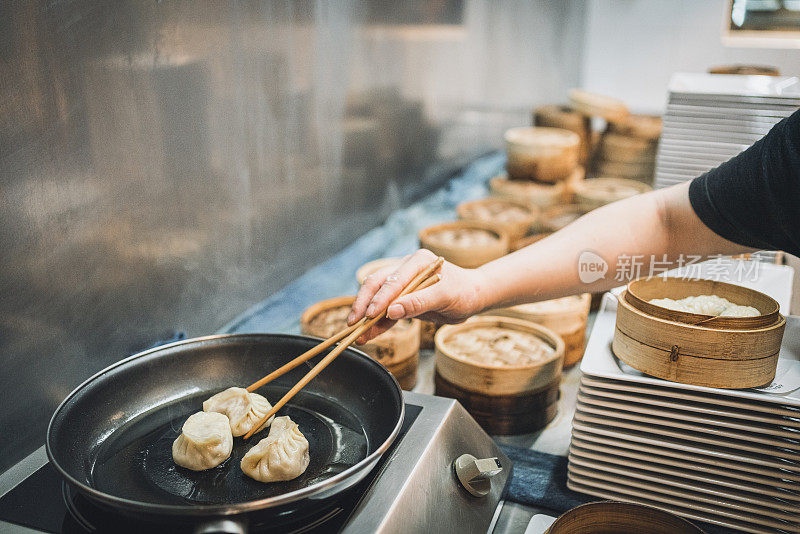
<point>244,409</point>
<point>205,441</point>
<point>282,455</point>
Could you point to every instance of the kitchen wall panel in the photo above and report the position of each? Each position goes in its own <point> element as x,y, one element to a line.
<point>165,165</point>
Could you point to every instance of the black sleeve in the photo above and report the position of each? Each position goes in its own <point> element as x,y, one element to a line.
<point>753,199</point>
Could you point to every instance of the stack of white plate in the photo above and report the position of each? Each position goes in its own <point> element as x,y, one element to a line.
<point>712,117</point>
<point>727,457</point>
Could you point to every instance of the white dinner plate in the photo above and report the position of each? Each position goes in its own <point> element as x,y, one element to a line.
<point>687,465</point>
<point>644,398</point>
<point>603,418</point>
<point>788,412</point>
<point>777,435</point>
<point>686,508</point>
<point>686,450</point>
<point>748,494</point>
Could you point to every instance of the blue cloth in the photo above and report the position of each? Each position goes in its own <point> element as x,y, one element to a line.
<point>396,237</point>
<point>539,479</point>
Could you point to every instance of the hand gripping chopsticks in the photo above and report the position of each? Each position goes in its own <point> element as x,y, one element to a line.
<point>424,279</point>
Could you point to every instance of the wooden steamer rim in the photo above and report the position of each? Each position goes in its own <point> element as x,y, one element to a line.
<point>620,516</point>
<point>597,192</point>
<point>516,229</point>
<point>696,349</point>
<point>566,316</point>
<point>541,140</point>
<point>466,257</point>
<point>553,218</point>
<point>640,291</point>
<point>541,194</point>
<point>595,105</point>
<point>498,380</point>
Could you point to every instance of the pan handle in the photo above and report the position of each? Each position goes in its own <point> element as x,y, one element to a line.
<point>221,526</point>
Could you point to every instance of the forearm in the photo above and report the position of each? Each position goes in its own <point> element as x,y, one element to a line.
<point>641,235</point>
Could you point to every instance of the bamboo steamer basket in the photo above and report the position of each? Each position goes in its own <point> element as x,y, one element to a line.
<point>613,517</point>
<point>538,194</point>
<point>541,154</point>
<point>568,119</point>
<point>647,127</point>
<point>594,105</point>
<point>503,399</point>
<point>690,348</point>
<point>514,229</point>
<point>596,192</point>
<point>565,316</point>
<point>623,149</point>
<point>427,329</point>
<point>465,256</point>
<point>557,217</point>
<point>397,349</point>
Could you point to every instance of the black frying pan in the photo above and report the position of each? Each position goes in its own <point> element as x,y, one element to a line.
<point>111,438</point>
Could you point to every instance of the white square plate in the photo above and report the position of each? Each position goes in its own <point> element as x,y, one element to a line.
<point>773,280</point>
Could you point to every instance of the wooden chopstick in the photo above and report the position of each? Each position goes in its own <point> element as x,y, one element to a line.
<point>423,280</point>
<point>339,336</point>
<point>280,371</point>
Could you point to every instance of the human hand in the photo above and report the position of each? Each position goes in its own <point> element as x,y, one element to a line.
<point>454,298</point>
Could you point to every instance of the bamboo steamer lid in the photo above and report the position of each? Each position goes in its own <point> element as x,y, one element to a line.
<point>542,154</point>
<point>611,517</point>
<point>427,329</point>
<point>595,105</point>
<point>397,349</point>
<point>538,194</point>
<point>528,240</point>
<point>490,211</point>
<point>592,194</point>
<point>759,70</point>
<point>702,350</point>
<point>564,117</point>
<point>557,217</point>
<point>465,254</point>
<point>487,379</point>
<point>647,127</point>
<point>565,316</point>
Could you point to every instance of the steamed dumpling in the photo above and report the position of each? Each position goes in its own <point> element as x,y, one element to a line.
<point>244,409</point>
<point>205,441</point>
<point>282,455</point>
<point>707,305</point>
